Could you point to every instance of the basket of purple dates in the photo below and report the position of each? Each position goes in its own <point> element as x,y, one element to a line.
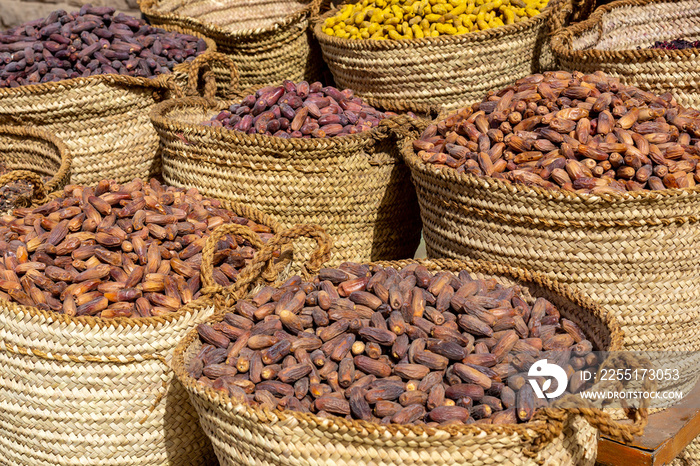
<point>303,153</point>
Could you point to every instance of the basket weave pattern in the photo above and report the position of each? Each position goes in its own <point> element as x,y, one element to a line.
<point>355,186</point>
<point>247,435</point>
<point>73,392</point>
<point>85,390</point>
<point>266,52</point>
<point>103,120</point>
<point>635,254</point>
<point>609,40</point>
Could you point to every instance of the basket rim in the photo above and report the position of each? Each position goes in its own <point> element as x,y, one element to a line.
<point>62,150</point>
<point>414,162</point>
<point>50,317</point>
<point>372,45</point>
<point>527,430</point>
<point>147,7</point>
<point>161,81</point>
<point>285,147</point>
<point>561,41</point>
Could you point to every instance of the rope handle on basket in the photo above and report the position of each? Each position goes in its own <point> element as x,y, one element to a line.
<point>146,4</point>
<point>554,418</point>
<point>566,12</point>
<point>202,64</point>
<point>209,286</point>
<point>404,127</point>
<point>315,11</point>
<point>38,192</point>
<point>263,258</point>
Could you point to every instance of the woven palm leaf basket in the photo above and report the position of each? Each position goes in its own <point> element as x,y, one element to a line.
<point>616,40</point>
<point>437,72</point>
<point>633,253</point>
<point>87,390</point>
<point>32,154</point>
<point>355,186</point>
<point>269,40</point>
<point>103,119</point>
<point>242,434</point>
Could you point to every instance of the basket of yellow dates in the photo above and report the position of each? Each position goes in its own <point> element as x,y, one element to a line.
<point>408,54</point>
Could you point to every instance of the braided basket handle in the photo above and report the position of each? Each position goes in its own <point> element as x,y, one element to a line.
<point>201,66</point>
<point>565,12</point>
<point>404,127</point>
<point>315,11</point>
<point>553,419</point>
<point>209,286</point>
<point>38,192</point>
<point>263,258</point>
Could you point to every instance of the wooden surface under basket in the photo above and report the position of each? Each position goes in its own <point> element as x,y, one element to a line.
<point>615,39</point>
<point>246,435</point>
<point>103,120</point>
<point>86,390</point>
<point>354,186</point>
<point>444,71</point>
<point>266,50</point>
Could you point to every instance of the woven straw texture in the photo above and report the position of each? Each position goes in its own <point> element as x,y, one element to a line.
<point>569,12</point>
<point>445,71</point>
<point>634,254</point>
<point>85,390</point>
<point>355,186</point>
<point>609,39</point>
<point>269,40</point>
<point>31,154</point>
<point>246,435</point>
<point>214,75</point>
<point>103,120</point>
<point>690,456</point>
